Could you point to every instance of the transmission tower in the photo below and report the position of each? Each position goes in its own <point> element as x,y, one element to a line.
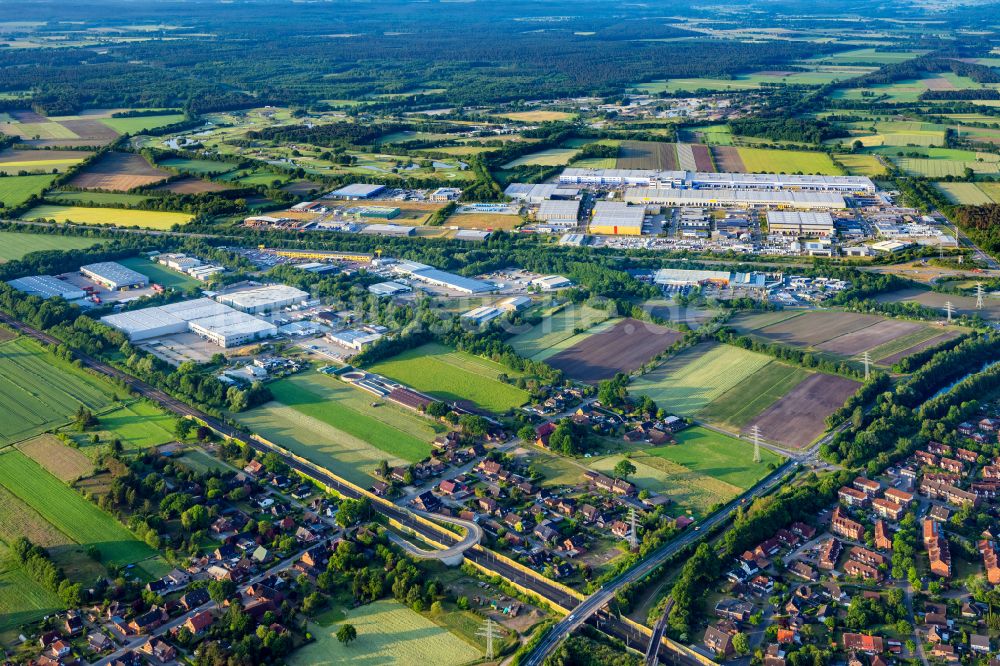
<point>867,359</point>
<point>633,533</point>
<point>755,433</point>
<point>980,292</point>
<point>950,309</point>
<point>489,631</point>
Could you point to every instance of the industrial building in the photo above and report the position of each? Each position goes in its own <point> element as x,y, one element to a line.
<point>552,282</point>
<point>472,234</point>
<point>353,339</point>
<point>389,230</point>
<point>357,191</point>
<point>696,180</point>
<point>482,315</point>
<point>379,212</point>
<point>559,213</point>
<point>390,288</point>
<point>440,278</point>
<point>539,192</point>
<point>322,255</point>
<point>676,277</point>
<point>264,299</point>
<point>114,276</point>
<point>798,223</point>
<point>213,321</point>
<point>47,286</point>
<point>729,197</point>
<point>617,218</point>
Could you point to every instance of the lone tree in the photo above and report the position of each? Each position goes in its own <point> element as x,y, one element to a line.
<point>624,468</point>
<point>346,634</point>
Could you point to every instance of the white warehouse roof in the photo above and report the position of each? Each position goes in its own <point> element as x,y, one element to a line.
<point>47,286</point>
<point>272,295</point>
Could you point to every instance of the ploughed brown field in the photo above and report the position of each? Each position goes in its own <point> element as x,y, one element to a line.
<point>191,185</point>
<point>869,337</point>
<point>118,172</point>
<point>815,328</point>
<point>728,159</point>
<point>622,348</point>
<point>647,155</point>
<point>799,418</point>
<point>702,157</point>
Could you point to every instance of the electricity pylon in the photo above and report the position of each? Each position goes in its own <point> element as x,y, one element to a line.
<point>489,631</point>
<point>755,433</point>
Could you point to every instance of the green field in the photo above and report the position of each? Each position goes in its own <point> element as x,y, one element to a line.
<point>98,198</point>
<point>141,123</point>
<point>861,165</point>
<point>549,157</point>
<point>68,511</point>
<point>159,273</point>
<point>197,167</point>
<point>334,425</point>
<point>14,244</point>
<point>764,160</point>
<point>969,194</point>
<point>15,190</point>
<point>139,426</point>
<point>22,600</point>
<point>688,382</point>
<point>716,455</point>
<point>396,430</point>
<point>556,332</point>
<point>388,634</point>
<point>150,219</point>
<point>453,376</point>
<point>741,404</point>
<point>39,390</point>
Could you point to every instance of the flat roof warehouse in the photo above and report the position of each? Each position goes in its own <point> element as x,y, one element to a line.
<point>440,278</point>
<point>217,322</point>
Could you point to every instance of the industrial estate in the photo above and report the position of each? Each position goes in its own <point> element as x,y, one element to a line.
<point>520,333</point>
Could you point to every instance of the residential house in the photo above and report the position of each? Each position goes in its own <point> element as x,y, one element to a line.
<point>887,508</point>
<point>719,638</point>
<point>863,643</point>
<point>852,496</point>
<point>199,622</point>
<point>158,650</point>
<point>938,550</point>
<point>844,526</point>
<point>883,538</point>
<point>829,554</point>
<point>869,487</point>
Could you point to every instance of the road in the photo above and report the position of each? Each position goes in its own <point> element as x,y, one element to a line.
<point>582,612</point>
<point>653,651</point>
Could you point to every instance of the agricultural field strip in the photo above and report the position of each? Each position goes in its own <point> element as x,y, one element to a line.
<point>905,342</point>
<point>686,385</point>
<point>865,338</point>
<point>31,395</point>
<point>68,511</point>
<point>770,384</point>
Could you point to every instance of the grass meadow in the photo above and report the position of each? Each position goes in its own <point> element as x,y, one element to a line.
<point>15,244</point>
<point>15,190</point>
<point>389,634</point>
<point>453,376</point>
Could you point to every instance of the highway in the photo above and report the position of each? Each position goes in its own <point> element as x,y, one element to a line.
<point>599,599</point>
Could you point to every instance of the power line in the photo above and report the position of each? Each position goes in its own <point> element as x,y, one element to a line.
<point>755,433</point>
<point>950,309</point>
<point>868,360</point>
<point>979,295</point>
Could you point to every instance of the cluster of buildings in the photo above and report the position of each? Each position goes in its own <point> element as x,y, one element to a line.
<point>109,275</point>
<point>192,266</point>
<point>228,321</point>
<point>487,313</point>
